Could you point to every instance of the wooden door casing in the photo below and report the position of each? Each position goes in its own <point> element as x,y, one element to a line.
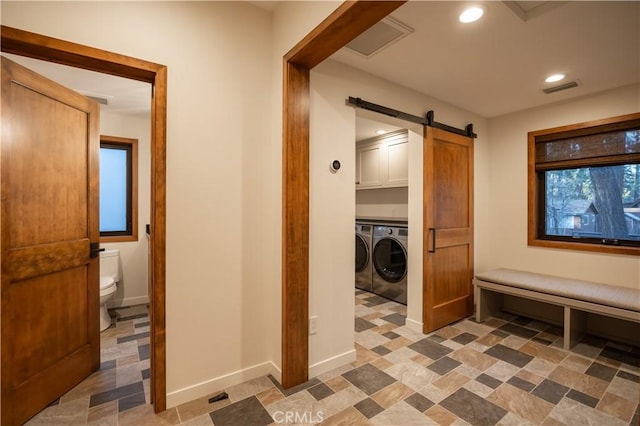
<point>448,225</point>
<point>50,284</point>
<point>348,21</point>
<point>25,43</point>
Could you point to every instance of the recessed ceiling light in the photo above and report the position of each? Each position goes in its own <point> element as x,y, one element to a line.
<point>381,132</point>
<point>471,14</point>
<point>555,77</point>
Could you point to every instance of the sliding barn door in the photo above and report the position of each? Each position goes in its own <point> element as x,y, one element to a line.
<point>448,227</point>
<point>50,279</point>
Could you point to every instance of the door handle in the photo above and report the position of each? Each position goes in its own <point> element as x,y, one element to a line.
<point>433,243</point>
<point>94,249</point>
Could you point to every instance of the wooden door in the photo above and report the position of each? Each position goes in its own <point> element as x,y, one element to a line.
<point>50,282</point>
<point>448,227</point>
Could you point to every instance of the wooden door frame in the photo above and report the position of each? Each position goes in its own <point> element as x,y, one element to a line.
<point>50,49</point>
<point>348,21</point>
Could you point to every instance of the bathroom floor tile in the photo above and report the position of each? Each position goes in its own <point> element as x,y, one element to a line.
<point>115,394</point>
<point>132,337</point>
<point>143,352</point>
<point>131,401</point>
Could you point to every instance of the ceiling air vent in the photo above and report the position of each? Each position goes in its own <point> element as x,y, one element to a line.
<point>378,37</point>
<point>527,9</point>
<point>103,101</point>
<point>561,87</point>
<point>98,97</point>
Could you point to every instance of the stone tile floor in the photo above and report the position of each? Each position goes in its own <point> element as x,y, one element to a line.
<point>508,370</point>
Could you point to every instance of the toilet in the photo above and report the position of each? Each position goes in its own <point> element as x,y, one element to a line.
<point>110,275</point>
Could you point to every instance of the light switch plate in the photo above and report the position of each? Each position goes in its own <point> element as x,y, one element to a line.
<point>313,325</point>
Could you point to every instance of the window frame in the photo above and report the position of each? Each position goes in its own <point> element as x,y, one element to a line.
<point>536,190</point>
<point>132,190</point>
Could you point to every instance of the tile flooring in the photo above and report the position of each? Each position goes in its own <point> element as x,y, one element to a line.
<point>508,370</point>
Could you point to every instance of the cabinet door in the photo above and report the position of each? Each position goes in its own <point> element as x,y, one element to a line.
<point>396,164</point>
<point>368,166</point>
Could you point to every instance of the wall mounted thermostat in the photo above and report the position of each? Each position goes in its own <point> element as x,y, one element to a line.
<point>334,166</point>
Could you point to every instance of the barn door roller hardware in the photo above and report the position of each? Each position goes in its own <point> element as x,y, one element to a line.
<point>428,120</point>
<point>468,130</point>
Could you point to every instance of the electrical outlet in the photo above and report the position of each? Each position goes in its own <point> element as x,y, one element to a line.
<point>313,325</point>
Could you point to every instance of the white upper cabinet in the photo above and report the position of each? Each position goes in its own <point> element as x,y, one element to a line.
<point>369,165</point>
<point>396,163</point>
<point>383,162</point>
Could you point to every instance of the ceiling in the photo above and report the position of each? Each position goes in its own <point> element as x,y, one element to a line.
<point>122,95</point>
<point>498,64</point>
<point>367,125</point>
<point>491,67</point>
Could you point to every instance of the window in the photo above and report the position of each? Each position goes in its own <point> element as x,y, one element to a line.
<point>584,186</point>
<point>118,189</point>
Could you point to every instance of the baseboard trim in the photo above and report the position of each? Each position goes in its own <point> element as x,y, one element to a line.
<point>331,363</point>
<point>218,384</point>
<point>129,301</point>
<point>414,325</point>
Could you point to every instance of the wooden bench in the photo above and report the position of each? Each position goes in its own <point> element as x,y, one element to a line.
<point>575,296</point>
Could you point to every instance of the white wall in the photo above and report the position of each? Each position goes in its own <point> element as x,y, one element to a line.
<point>134,257</point>
<point>332,207</point>
<point>331,219</point>
<point>383,203</point>
<point>415,215</point>
<point>507,166</point>
<point>221,264</point>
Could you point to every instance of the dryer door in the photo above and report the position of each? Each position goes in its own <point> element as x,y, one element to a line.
<point>390,260</point>
<point>362,254</point>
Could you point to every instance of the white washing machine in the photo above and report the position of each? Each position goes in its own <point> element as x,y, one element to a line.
<point>364,238</point>
<point>389,259</point>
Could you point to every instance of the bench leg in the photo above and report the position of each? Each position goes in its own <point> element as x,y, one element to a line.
<point>487,302</point>
<point>575,326</point>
